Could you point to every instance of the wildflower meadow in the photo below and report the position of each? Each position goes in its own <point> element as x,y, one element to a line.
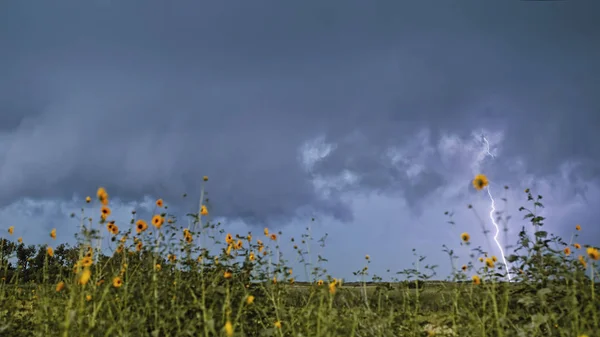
<point>156,277</point>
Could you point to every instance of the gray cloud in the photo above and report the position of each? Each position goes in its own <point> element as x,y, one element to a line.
<point>145,99</point>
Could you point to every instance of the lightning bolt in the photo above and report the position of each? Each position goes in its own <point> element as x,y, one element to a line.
<point>492,210</point>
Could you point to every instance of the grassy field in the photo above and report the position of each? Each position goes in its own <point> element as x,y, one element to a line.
<point>159,279</point>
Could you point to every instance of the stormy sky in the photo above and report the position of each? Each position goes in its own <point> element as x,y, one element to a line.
<point>367,116</point>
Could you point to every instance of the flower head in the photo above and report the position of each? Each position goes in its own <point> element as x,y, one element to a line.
<point>117,282</point>
<point>593,253</point>
<point>86,261</point>
<point>141,226</point>
<point>112,228</point>
<point>582,261</point>
<point>476,279</point>
<point>85,276</point>
<point>60,286</point>
<point>567,251</point>
<point>50,251</point>
<point>465,237</point>
<point>203,210</point>
<point>480,181</point>
<point>228,329</point>
<point>11,230</point>
<point>159,203</point>
<point>577,227</point>
<point>105,211</point>
<point>102,196</point>
<point>157,221</point>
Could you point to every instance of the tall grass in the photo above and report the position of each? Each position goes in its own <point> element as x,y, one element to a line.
<point>160,280</point>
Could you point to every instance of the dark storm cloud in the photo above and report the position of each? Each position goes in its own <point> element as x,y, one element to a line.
<point>145,97</point>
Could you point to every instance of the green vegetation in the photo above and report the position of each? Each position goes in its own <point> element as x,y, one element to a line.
<point>156,279</point>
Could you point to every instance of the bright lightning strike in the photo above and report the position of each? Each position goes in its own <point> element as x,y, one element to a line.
<point>493,209</point>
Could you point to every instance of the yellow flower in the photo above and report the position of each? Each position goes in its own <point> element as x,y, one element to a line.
<point>60,286</point>
<point>229,238</point>
<point>205,178</point>
<point>465,237</point>
<point>577,246</point>
<point>53,233</point>
<point>88,199</point>
<point>464,267</point>
<point>593,253</point>
<point>277,324</point>
<point>141,226</point>
<point>239,244</point>
<point>266,232</point>
<point>50,251</point>
<point>577,227</point>
<point>250,299</point>
<point>20,240</point>
<point>273,236</point>
<point>139,246</point>
<point>332,287</point>
<point>105,211</point>
<point>117,282</point>
<point>228,329</point>
<point>367,257</point>
<point>320,282</point>
<point>249,238</point>
<point>85,276</point>
<point>480,182</point>
<point>494,258</point>
<point>101,192</point>
<point>481,259</point>
<point>489,262</point>
<point>112,228</point>
<point>567,251</point>
<point>476,279</point>
<point>157,267</point>
<point>102,196</point>
<point>11,230</point>
<point>582,261</point>
<point>157,221</point>
<point>203,210</point>
<point>227,274</point>
<point>159,203</point>
<point>88,297</point>
<point>86,261</point>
